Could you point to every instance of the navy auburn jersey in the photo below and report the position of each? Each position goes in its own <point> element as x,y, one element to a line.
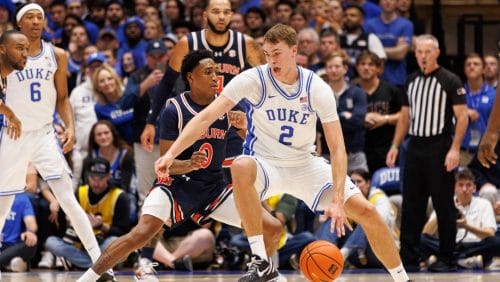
<point>231,60</point>
<point>196,188</point>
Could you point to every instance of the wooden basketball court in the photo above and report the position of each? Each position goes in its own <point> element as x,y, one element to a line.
<point>357,275</point>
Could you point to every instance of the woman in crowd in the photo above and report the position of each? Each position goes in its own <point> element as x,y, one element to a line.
<point>111,104</point>
<point>105,142</point>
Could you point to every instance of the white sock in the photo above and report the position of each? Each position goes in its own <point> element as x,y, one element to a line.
<point>257,246</point>
<point>63,192</point>
<point>345,252</point>
<point>89,276</point>
<point>399,274</point>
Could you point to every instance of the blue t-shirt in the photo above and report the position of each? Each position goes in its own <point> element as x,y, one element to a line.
<point>389,34</point>
<point>121,118</point>
<point>14,225</point>
<point>482,102</point>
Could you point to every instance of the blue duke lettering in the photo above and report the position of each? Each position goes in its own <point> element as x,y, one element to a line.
<point>283,114</point>
<point>34,73</point>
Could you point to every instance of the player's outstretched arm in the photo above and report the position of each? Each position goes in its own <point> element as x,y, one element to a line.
<point>193,130</point>
<point>179,167</point>
<point>486,150</point>
<point>63,106</point>
<point>338,160</point>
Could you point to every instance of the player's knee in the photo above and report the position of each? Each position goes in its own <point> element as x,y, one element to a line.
<point>204,235</point>
<point>243,167</point>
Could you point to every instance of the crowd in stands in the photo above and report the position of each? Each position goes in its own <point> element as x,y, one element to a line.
<point>118,52</point>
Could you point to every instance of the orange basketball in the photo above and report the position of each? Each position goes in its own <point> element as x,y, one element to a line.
<point>321,261</point>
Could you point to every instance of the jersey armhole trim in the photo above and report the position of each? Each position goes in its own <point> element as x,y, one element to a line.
<point>264,90</point>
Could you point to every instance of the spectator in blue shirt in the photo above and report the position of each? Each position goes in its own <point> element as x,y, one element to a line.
<point>396,34</point>
<point>480,97</point>
<point>19,241</point>
<point>110,105</point>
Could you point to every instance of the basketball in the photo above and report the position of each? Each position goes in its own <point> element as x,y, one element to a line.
<point>321,261</point>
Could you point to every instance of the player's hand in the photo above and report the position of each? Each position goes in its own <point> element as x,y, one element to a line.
<point>486,149</point>
<point>68,140</point>
<point>14,127</point>
<point>162,166</point>
<point>198,158</point>
<point>335,210</point>
<point>29,238</point>
<point>390,159</point>
<point>237,119</point>
<point>148,137</point>
<point>452,159</point>
<point>54,209</point>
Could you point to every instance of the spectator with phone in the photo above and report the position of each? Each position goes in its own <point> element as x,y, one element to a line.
<point>476,241</point>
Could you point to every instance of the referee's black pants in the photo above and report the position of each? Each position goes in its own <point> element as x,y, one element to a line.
<point>425,175</point>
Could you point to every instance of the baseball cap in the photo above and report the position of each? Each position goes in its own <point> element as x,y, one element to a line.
<point>107,32</point>
<point>98,167</point>
<point>96,57</point>
<point>156,46</point>
<point>171,37</point>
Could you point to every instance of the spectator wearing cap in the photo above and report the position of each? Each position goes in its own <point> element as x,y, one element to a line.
<point>76,8</point>
<point>105,206</point>
<point>82,102</point>
<point>134,32</point>
<point>107,39</point>
<point>138,89</point>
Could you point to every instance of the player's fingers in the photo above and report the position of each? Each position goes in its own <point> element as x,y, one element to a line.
<point>340,228</point>
<point>332,225</point>
<point>348,224</point>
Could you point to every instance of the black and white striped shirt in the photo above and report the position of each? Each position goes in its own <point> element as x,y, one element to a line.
<point>430,99</point>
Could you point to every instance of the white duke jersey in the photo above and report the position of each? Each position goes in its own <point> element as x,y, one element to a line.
<point>282,118</point>
<point>31,93</point>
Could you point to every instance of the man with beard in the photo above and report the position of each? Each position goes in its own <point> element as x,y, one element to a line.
<point>233,52</point>
<point>354,40</point>
<point>115,17</point>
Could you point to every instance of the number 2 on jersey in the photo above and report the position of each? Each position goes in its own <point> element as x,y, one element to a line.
<point>36,94</point>
<point>209,150</point>
<point>286,132</point>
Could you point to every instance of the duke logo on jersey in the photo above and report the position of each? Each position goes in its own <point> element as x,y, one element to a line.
<point>31,93</point>
<point>34,73</point>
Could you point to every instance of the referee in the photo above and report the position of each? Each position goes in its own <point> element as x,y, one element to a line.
<point>433,97</point>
